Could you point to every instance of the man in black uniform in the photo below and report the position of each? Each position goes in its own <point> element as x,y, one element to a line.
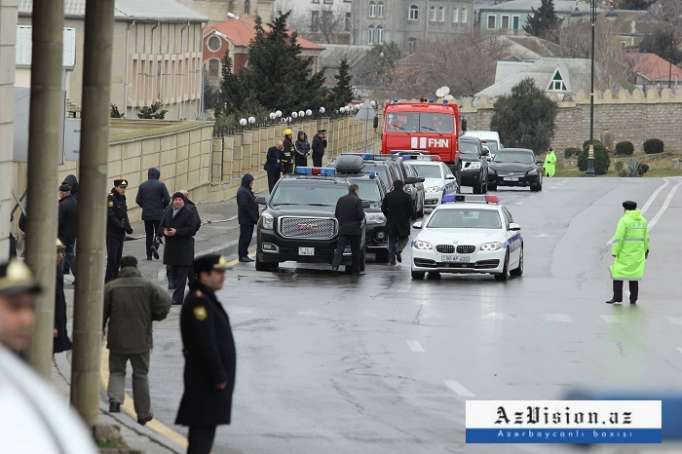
<point>210,356</point>
<point>399,210</point>
<point>287,155</point>
<point>319,145</point>
<point>350,215</point>
<point>117,227</point>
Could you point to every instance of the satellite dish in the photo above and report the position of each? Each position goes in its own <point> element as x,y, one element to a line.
<point>442,92</point>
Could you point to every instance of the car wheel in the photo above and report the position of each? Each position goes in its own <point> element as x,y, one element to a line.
<point>518,272</point>
<point>536,187</point>
<point>504,275</point>
<point>418,275</point>
<point>265,266</point>
<point>434,275</point>
<point>382,256</point>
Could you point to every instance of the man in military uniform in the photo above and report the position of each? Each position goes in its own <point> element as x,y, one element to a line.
<point>287,156</point>
<point>17,306</point>
<point>117,227</point>
<point>210,356</point>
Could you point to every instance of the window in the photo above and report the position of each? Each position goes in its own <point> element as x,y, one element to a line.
<point>372,9</point>
<point>557,83</point>
<point>328,2</point>
<point>420,122</point>
<point>328,21</point>
<point>464,14</point>
<point>432,13</point>
<point>379,34</point>
<point>505,23</point>
<point>316,1</point>
<point>370,34</point>
<point>380,9</point>
<point>347,23</point>
<point>411,44</point>
<point>441,14</point>
<point>314,21</point>
<point>413,13</point>
<point>455,15</point>
<point>515,23</point>
<point>213,67</point>
<point>492,22</point>
<point>214,43</point>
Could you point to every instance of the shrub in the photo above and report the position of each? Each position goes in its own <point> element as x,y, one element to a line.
<point>601,158</point>
<point>642,169</point>
<point>625,148</point>
<point>620,169</point>
<point>571,152</point>
<point>653,146</point>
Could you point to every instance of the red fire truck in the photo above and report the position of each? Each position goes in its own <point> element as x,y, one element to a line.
<point>425,127</point>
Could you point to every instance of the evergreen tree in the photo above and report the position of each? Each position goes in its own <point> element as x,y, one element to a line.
<point>543,22</point>
<point>342,93</point>
<point>232,94</point>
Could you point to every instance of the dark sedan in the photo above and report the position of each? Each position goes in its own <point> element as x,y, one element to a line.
<point>474,158</point>
<point>514,167</point>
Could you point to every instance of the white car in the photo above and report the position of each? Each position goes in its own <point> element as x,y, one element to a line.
<point>490,139</point>
<point>438,180</point>
<point>473,234</point>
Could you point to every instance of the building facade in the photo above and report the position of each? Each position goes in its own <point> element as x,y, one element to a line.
<point>510,17</point>
<point>217,10</point>
<point>323,21</point>
<point>157,56</point>
<point>410,23</point>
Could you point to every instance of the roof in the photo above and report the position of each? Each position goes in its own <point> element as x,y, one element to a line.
<point>241,31</point>
<point>653,68</point>
<point>332,54</point>
<point>560,6</point>
<point>574,71</point>
<point>523,47</point>
<point>420,107</point>
<point>140,10</point>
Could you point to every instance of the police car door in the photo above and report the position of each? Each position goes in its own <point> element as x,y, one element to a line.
<point>514,241</point>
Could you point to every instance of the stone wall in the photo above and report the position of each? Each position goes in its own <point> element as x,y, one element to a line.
<point>632,116</point>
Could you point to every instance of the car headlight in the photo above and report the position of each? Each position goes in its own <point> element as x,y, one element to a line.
<point>533,172</point>
<point>268,221</point>
<point>375,218</point>
<point>434,189</point>
<point>421,244</point>
<point>491,246</point>
<point>474,165</point>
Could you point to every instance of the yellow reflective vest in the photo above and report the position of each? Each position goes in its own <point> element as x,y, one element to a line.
<point>630,245</point>
<point>550,164</point>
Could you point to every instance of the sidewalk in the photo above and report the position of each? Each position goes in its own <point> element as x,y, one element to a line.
<point>219,233</point>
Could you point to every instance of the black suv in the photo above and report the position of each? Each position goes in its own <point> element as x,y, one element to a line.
<point>474,158</point>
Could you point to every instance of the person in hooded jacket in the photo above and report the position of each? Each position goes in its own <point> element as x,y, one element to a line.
<point>550,163</point>
<point>68,227</point>
<point>302,149</point>
<point>319,146</point>
<point>273,164</point>
<point>248,216</point>
<point>179,225</point>
<point>153,198</point>
<point>72,181</point>
<point>630,250</point>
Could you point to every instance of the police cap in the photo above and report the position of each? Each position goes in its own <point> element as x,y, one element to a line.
<point>209,262</point>
<point>16,277</point>
<point>123,183</point>
<point>630,205</point>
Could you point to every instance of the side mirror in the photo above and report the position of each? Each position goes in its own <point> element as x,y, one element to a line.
<point>464,125</point>
<point>365,204</point>
<point>485,151</point>
<point>417,225</point>
<point>261,200</point>
<point>410,180</point>
<point>449,177</point>
<point>514,227</point>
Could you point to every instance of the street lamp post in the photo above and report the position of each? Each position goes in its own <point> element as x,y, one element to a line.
<point>590,152</point>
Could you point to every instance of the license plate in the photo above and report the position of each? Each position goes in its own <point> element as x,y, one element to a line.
<point>307,251</point>
<point>454,258</point>
<point>511,179</point>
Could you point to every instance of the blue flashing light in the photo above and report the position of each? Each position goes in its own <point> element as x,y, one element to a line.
<point>372,175</point>
<point>367,157</point>
<point>303,171</point>
<point>327,171</point>
<point>451,198</point>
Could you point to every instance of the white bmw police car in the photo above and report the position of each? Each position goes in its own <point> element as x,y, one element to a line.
<point>468,234</point>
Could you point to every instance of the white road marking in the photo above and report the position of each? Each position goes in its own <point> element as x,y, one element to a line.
<point>612,319</point>
<point>458,388</point>
<point>675,320</point>
<point>415,346</point>
<point>649,202</point>
<point>543,235</point>
<point>562,318</point>
<point>664,207</point>
<point>494,316</point>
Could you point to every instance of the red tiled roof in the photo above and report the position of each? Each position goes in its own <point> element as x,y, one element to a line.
<point>241,31</point>
<point>653,67</point>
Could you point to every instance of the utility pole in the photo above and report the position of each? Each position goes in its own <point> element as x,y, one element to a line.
<point>87,317</point>
<point>45,120</point>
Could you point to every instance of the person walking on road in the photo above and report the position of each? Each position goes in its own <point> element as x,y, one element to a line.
<point>247,213</point>
<point>273,164</point>
<point>210,357</point>
<point>118,226</point>
<point>18,289</point>
<point>68,227</point>
<point>197,219</point>
<point>179,225</point>
<point>399,211</point>
<point>630,250</point>
<point>287,157</point>
<point>131,303</point>
<point>350,216</point>
<point>319,146</point>
<point>550,163</point>
<point>153,198</point>
<point>302,149</point>
<point>60,334</point>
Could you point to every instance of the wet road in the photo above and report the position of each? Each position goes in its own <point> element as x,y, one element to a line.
<point>382,364</point>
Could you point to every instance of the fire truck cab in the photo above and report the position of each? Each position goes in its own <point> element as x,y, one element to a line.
<point>427,127</point>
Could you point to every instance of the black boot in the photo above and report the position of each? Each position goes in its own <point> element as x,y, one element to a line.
<point>114,407</point>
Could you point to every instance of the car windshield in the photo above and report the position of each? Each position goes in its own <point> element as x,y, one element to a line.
<point>382,171</point>
<point>368,190</point>
<point>420,122</point>
<point>468,148</point>
<point>427,171</point>
<point>465,219</point>
<point>517,157</point>
<point>492,146</point>
<point>308,194</point>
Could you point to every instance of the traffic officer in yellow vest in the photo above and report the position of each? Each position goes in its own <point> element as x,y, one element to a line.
<point>550,163</point>
<point>630,250</point>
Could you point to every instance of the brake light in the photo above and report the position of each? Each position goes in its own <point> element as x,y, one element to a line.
<point>492,199</point>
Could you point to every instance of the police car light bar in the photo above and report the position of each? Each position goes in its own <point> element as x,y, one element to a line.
<point>419,157</point>
<point>467,198</point>
<point>321,171</point>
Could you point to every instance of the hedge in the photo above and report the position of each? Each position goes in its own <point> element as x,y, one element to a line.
<point>653,146</point>
<point>601,158</point>
<point>625,148</point>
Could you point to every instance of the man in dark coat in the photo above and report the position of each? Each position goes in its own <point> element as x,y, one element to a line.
<point>247,212</point>
<point>153,198</point>
<point>197,219</point>
<point>72,181</point>
<point>399,210</point>
<point>301,149</point>
<point>319,146</point>
<point>210,357</point>
<point>273,165</point>
<point>287,157</point>
<point>179,225</point>
<point>60,341</point>
<point>117,227</point>
<point>131,304</point>
<point>68,227</point>
<point>351,217</point>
